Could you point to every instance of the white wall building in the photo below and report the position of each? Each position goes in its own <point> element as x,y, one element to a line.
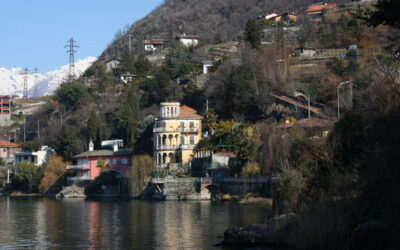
<point>37,158</point>
<point>188,40</point>
<point>112,64</point>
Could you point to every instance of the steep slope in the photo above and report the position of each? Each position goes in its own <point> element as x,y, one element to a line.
<point>213,20</point>
<point>12,80</point>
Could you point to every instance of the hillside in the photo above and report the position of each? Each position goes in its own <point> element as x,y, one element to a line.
<point>213,20</point>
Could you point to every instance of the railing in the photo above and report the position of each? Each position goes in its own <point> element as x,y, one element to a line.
<point>175,147</point>
<point>78,178</point>
<point>78,167</point>
<point>184,130</point>
<point>166,147</point>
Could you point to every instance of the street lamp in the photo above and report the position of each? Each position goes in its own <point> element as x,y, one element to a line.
<point>338,95</point>
<point>307,97</point>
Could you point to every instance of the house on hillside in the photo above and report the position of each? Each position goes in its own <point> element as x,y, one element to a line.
<point>90,164</point>
<point>206,66</point>
<point>286,17</point>
<point>112,64</point>
<point>152,45</point>
<point>176,134</point>
<point>126,77</point>
<point>8,150</point>
<point>188,40</point>
<point>312,127</point>
<point>304,51</point>
<point>6,110</point>
<point>316,11</point>
<point>36,157</point>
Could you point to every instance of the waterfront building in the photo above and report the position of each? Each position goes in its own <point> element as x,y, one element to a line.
<point>36,157</point>
<point>8,150</point>
<point>90,164</point>
<point>176,133</point>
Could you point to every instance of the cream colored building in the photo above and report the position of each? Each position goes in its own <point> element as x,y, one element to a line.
<point>176,133</point>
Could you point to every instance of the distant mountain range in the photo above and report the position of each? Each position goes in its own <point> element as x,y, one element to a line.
<point>12,80</point>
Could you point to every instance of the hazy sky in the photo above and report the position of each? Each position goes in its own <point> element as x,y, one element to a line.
<point>33,32</point>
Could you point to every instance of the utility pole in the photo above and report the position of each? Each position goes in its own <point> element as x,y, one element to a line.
<point>36,86</point>
<point>71,45</point>
<point>25,129</point>
<point>25,93</point>
<point>130,42</point>
<point>38,129</point>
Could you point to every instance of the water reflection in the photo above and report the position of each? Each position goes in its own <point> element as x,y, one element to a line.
<point>48,223</point>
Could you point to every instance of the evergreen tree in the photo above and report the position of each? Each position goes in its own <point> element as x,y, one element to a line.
<point>253,34</point>
<point>94,129</point>
<point>386,13</point>
<point>64,143</point>
<point>127,63</point>
<point>142,66</point>
<point>128,118</point>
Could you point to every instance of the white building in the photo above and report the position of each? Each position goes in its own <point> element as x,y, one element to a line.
<point>37,158</point>
<point>112,64</point>
<point>206,66</point>
<point>188,40</point>
<point>152,45</point>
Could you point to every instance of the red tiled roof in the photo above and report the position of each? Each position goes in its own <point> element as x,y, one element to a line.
<point>154,41</point>
<point>8,144</point>
<point>320,7</point>
<point>188,112</point>
<point>308,123</point>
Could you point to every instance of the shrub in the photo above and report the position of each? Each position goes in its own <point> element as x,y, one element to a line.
<point>27,176</point>
<point>251,169</point>
<point>142,168</point>
<point>54,169</point>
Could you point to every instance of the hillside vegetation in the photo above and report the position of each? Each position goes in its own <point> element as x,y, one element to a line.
<point>214,21</point>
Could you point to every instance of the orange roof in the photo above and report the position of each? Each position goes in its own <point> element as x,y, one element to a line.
<point>308,123</point>
<point>8,144</point>
<point>188,112</point>
<point>320,7</point>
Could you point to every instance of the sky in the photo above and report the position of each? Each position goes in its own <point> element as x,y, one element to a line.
<point>33,33</point>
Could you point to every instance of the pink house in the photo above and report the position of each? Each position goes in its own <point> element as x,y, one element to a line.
<point>8,150</point>
<point>90,164</point>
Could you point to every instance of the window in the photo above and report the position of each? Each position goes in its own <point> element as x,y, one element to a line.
<point>192,140</point>
<point>182,140</point>
<point>124,161</point>
<point>192,124</point>
<point>182,124</point>
<point>4,150</point>
<point>114,161</point>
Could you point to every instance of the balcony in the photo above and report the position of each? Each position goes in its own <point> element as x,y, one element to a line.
<point>188,146</point>
<point>78,167</point>
<point>75,179</point>
<point>180,129</point>
<point>166,147</point>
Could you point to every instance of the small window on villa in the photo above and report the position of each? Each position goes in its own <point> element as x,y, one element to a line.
<point>182,140</point>
<point>182,124</point>
<point>192,124</point>
<point>114,161</point>
<point>192,140</point>
<point>4,150</point>
<point>124,161</point>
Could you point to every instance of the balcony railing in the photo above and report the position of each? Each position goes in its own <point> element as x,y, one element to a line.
<point>180,129</point>
<point>175,147</point>
<point>78,167</point>
<point>78,178</point>
<point>166,147</point>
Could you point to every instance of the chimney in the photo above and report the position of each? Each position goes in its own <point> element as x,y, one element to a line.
<point>115,146</point>
<point>91,146</point>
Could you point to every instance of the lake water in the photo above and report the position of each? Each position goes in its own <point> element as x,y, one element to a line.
<point>42,223</point>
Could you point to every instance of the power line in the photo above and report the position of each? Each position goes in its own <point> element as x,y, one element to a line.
<point>71,45</point>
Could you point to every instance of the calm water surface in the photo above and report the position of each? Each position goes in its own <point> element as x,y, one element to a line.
<point>77,224</point>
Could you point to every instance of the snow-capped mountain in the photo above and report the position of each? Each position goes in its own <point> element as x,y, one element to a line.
<point>12,80</point>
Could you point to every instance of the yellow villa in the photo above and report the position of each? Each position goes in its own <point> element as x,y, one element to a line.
<point>176,133</point>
